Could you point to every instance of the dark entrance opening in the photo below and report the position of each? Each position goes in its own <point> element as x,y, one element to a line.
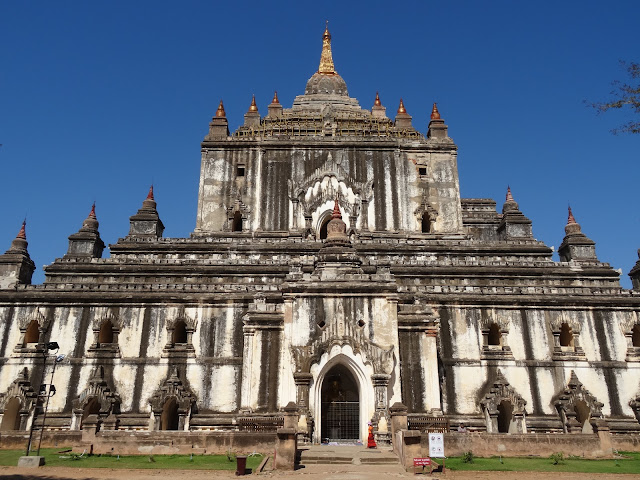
<point>340,414</point>
<point>505,414</point>
<point>169,418</point>
<point>11,417</point>
<point>92,407</point>
<point>323,227</point>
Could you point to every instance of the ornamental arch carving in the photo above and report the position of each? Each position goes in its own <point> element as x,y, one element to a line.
<point>504,407</point>
<point>17,402</point>
<point>577,407</point>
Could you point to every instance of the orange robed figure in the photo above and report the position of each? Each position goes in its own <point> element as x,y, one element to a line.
<point>371,442</point>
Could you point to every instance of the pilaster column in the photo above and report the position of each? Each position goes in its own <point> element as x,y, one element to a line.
<point>247,367</point>
<point>364,213</point>
<point>380,385</point>
<point>296,205</point>
<point>302,380</point>
<point>429,360</point>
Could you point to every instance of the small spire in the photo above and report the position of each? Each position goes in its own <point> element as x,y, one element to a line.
<point>377,102</point>
<point>220,111</point>
<point>571,220</point>
<point>253,107</point>
<point>336,210</point>
<point>275,98</point>
<point>150,195</point>
<point>326,58</point>
<point>435,114</point>
<point>401,108</point>
<point>509,196</point>
<point>92,213</point>
<point>22,233</point>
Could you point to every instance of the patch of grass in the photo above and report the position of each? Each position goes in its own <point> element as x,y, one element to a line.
<point>179,462</point>
<point>629,463</point>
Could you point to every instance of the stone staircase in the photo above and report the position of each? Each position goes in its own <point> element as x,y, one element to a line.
<point>346,455</point>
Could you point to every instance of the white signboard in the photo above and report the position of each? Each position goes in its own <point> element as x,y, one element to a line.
<point>436,445</point>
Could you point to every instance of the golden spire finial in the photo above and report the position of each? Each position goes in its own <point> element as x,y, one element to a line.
<point>326,58</point>
<point>275,98</point>
<point>435,114</point>
<point>401,108</point>
<point>377,102</point>
<point>220,111</point>
<point>253,107</point>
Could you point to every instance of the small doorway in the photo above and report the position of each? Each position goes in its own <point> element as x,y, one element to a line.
<point>11,417</point>
<point>340,413</point>
<point>505,415</point>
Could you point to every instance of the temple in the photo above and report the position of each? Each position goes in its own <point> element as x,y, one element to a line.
<point>335,265</point>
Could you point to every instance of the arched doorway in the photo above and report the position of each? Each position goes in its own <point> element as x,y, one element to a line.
<point>11,417</point>
<point>92,407</point>
<point>505,415</point>
<point>169,419</point>
<point>340,409</point>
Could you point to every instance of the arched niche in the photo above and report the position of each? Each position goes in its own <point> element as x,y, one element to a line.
<point>347,361</point>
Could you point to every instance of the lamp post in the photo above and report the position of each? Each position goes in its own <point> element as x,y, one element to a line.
<point>46,347</point>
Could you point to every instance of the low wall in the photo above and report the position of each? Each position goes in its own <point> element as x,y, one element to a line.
<point>167,443</point>
<point>18,440</point>
<point>514,445</point>
<point>414,444</point>
<point>625,443</point>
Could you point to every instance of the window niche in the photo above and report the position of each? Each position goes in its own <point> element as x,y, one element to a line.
<point>180,336</point>
<point>32,334</point>
<point>494,339</point>
<point>426,217</point>
<point>106,330</point>
<point>237,217</point>
<point>566,340</point>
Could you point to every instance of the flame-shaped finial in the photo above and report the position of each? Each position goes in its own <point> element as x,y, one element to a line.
<point>326,58</point>
<point>150,195</point>
<point>377,102</point>
<point>253,107</point>
<point>401,108</point>
<point>336,210</point>
<point>220,111</point>
<point>22,233</point>
<point>509,196</point>
<point>435,114</point>
<point>92,213</point>
<point>571,220</point>
<point>275,98</point>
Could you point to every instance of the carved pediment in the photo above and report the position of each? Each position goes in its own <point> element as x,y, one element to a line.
<point>99,389</point>
<point>339,332</point>
<point>174,387</point>
<point>499,391</point>
<point>20,388</point>
<point>36,316</point>
<point>575,392</point>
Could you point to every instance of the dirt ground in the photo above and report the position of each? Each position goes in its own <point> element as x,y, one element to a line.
<point>312,472</point>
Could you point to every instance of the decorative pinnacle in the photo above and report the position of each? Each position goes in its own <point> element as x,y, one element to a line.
<point>435,114</point>
<point>509,196</point>
<point>275,98</point>
<point>377,102</point>
<point>326,58</point>
<point>150,195</point>
<point>401,108</point>
<point>220,111</point>
<point>336,210</point>
<point>22,233</point>
<point>253,107</point>
<point>571,220</point>
<point>92,213</point>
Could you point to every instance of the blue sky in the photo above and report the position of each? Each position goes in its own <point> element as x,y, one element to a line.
<point>100,99</point>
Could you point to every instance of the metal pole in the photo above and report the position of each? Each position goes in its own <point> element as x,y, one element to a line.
<point>33,420</point>
<point>44,417</point>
